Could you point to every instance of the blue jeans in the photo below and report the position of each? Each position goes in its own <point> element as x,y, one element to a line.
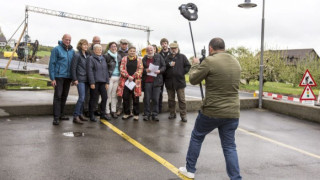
<point>82,91</point>
<point>227,127</point>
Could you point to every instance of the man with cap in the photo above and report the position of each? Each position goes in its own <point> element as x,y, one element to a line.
<point>123,49</point>
<point>177,65</point>
<point>165,51</point>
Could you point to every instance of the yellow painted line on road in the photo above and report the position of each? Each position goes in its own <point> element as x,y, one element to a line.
<point>147,151</point>
<point>280,143</point>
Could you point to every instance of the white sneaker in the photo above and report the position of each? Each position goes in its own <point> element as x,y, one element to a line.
<point>184,171</point>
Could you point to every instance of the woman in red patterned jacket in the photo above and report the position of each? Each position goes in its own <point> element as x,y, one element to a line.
<point>131,69</point>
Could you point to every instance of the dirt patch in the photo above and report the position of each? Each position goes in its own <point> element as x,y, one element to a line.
<point>44,60</point>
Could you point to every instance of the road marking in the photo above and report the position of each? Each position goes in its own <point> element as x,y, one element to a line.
<point>280,143</point>
<point>156,157</point>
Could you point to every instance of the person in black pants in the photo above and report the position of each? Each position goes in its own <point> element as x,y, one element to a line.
<point>165,52</point>
<point>98,76</point>
<point>152,84</point>
<point>60,75</point>
<point>131,69</point>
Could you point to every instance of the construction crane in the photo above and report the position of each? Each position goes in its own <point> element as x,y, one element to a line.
<point>88,19</point>
<point>24,49</point>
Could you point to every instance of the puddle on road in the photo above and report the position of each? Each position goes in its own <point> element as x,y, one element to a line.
<point>73,134</point>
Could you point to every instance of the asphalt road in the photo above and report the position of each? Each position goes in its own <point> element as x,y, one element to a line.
<point>14,64</point>
<point>270,146</point>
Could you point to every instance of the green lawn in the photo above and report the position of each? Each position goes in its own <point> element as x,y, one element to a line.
<point>273,87</point>
<point>43,53</point>
<point>277,88</point>
<point>26,80</point>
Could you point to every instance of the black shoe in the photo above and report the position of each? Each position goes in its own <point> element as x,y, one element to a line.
<point>184,119</point>
<point>97,113</point>
<point>155,118</point>
<point>114,115</point>
<point>146,118</point>
<point>93,119</point>
<point>172,116</point>
<point>86,114</point>
<point>55,122</point>
<point>104,117</point>
<point>64,118</point>
<point>108,116</point>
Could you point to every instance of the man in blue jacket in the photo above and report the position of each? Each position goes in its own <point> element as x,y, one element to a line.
<point>60,75</point>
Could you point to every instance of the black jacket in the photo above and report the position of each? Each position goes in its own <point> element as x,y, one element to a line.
<point>97,70</point>
<point>123,53</point>
<point>79,67</point>
<point>158,61</point>
<point>163,55</point>
<point>112,62</point>
<point>175,75</point>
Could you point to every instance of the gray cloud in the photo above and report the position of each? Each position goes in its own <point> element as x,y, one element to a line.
<point>289,23</point>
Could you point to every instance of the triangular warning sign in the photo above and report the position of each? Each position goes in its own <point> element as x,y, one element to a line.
<point>307,94</point>
<point>307,80</point>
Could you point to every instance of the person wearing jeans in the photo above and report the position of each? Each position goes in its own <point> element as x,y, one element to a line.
<point>80,79</point>
<point>60,76</point>
<point>220,108</point>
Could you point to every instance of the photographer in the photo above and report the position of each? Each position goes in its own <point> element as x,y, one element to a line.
<point>220,109</point>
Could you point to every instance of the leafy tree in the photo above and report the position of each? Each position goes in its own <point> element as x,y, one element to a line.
<point>248,62</point>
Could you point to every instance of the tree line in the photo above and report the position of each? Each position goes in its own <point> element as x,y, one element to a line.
<point>276,67</point>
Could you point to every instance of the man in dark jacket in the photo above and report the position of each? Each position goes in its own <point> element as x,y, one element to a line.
<point>123,49</point>
<point>165,52</point>
<point>60,75</point>
<point>98,75</point>
<point>151,83</point>
<point>177,66</point>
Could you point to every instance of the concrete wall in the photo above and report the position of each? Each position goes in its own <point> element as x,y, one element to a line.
<point>46,109</point>
<point>311,113</point>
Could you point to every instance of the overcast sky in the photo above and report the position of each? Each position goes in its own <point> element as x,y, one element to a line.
<point>289,24</point>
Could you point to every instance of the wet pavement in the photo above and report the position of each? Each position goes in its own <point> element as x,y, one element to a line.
<point>270,146</point>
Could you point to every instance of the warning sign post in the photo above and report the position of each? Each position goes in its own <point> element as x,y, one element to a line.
<point>307,96</point>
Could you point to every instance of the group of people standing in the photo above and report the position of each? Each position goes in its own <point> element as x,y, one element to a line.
<point>107,75</point>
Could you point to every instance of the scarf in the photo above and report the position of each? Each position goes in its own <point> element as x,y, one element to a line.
<point>114,55</point>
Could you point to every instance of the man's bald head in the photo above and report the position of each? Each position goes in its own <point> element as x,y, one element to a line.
<point>66,39</point>
<point>96,40</point>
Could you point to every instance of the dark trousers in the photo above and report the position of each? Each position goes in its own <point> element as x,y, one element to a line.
<point>127,96</point>
<point>161,98</point>
<point>151,93</point>
<point>61,91</point>
<point>100,88</point>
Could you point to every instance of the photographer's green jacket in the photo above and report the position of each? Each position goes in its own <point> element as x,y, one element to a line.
<point>221,72</point>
